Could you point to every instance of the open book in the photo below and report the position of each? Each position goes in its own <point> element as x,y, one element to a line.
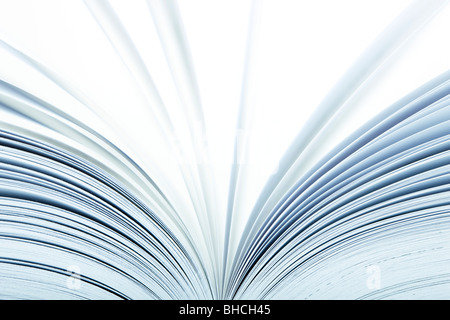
<point>186,150</point>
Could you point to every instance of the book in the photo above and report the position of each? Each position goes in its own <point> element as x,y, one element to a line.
<point>246,150</point>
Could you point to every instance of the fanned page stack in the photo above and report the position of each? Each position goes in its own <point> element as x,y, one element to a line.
<point>224,149</point>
